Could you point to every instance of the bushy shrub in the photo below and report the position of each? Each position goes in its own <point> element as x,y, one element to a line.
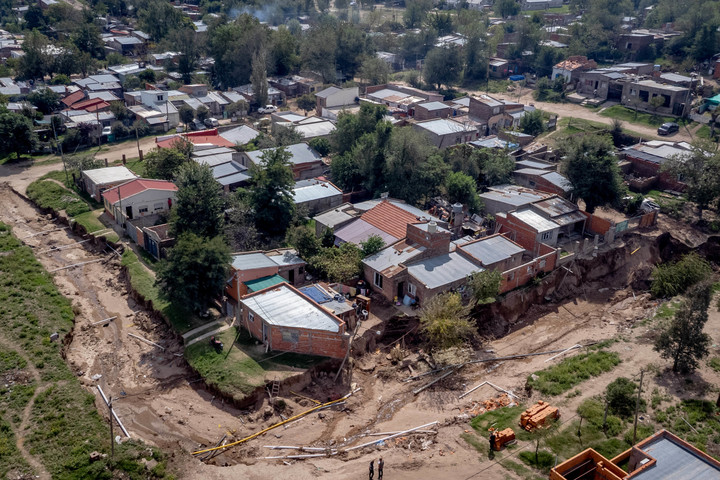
<point>672,279</point>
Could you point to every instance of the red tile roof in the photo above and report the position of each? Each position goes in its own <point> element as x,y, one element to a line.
<point>133,187</point>
<point>91,104</point>
<point>197,138</point>
<point>389,218</point>
<point>73,98</point>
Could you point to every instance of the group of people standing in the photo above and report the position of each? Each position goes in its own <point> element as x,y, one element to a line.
<point>381,464</point>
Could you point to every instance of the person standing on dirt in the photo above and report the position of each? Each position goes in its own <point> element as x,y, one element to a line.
<point>381,464</point>
<point>372,469</point>
<point>492,440</point>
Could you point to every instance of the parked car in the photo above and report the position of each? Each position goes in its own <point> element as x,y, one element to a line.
<point>668,128</point>
<point>211,122</point>
<point>197,125</point>
<point>267,109</point>
<point>106,131</point>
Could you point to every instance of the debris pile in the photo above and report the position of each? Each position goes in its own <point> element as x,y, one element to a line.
<point>476,408</point>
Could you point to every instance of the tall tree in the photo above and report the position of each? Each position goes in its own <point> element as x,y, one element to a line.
<point>306,102</point>
<point>443,66</point>
<point>37,61</point>
<point>195,271</point>
<point>592,170</point>
<point>186,41</point>
<point>284,51</point>
<point>16,134</point>
<point>532,123</point>
<point>270,192</point>
<point>233,46</point>
<point>496,166</point>
<point>374,71</point>
<point>463,188</point>
<point>259,78</point>
<point>164,163</point>
<point>446,322</point>
<point>683,339</point>
<point>199,205</point>
<point>318,51</point>
<point>46,100</point>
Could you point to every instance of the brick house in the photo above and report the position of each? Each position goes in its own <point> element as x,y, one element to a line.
<point>286,320</point>
<point>96,181</point>
<point>306,163</point>
<point>648,158</point>
<point>543,181</point>
<point>493,112</point>
<point>430,110</point>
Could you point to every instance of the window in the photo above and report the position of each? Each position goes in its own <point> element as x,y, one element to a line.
<point>160,98</point>
<point>290,336</point>
<point>251,316</point>
<point>530,270</point>
<point>511,276</point>
<point>542,263</point>
<point>378,280</point>
<point>633,92</point>
<point>412,290</point>
<point>158,206</point>
<point>546,235</point>
<point>143,209</point>
<point>532,184</point>
<point>496,110</point>
<point>644,95</point>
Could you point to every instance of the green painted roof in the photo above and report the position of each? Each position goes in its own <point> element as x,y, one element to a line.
<point>714,100</point>
<point>264,282</point>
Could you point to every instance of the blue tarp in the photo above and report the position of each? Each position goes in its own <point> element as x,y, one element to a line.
<point>516,78</point>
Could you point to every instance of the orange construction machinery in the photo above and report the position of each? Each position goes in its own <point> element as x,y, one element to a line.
<point>500,438</point>
<point>537,415</point>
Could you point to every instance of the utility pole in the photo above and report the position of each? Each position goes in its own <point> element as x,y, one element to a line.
<point>62,156</point>
<point>137,139</point>
<point>637,405</point>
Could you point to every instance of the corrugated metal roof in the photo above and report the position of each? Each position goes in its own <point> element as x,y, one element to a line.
<point>327,92</point>
<point>513,197</point>
<point>492,249</point>
<point>534,165</point>
<point>240,135</point>
<point>299,153</point>
<point>569,218</point>
<point>309,190</point>
<point>444,126</point>
<point>284,307</point>
<point>401,252</point>
<point>432,106</point>
<point>333,217</point>
<point>233,179</point>
<point>359,231</point>
<point>102,176</point>
<point>251,261</point>
<point>285,257</point>
<point>674,461</point>
<point>558,180</point>
<point>536,221</point>
<point>555,206</point>
<point>263,283</point>
<point>442,270</point>
<point>133,187</point>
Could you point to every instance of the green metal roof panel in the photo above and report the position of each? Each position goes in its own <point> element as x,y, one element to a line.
<point>264,282</point>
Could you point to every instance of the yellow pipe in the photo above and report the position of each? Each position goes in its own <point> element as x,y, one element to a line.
<point>633,252</point>
<point>306,398</point>
<point>257,434</point>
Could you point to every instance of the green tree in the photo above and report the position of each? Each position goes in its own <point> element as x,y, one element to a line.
<point>61,79</point>
<point>683,339</point>
<point>199,204</point>
<point>700,172</point>
<point>240,108</point>
<point>416,12</point>
<point>240,227</point>
<point>36,61</point>
<point>16,134</point>
<point>318,51</point>
<point>340,264</point>
<point>306,102</point>
<point>465,159</point>
<point>350,127</point>
<point>345,172</point>
<point>446,322</point>
<point>320,145</point>
<point>532,123</point>
<point>372,245</point>
<point>284,51</point>
<point>375,71</point>
<point>592,169</point>
<point>270,192</point>
<point>190,45</point>
<point>202,113</point>
<point>443,66</point>
<point>462,188</point>
<point>87,39</point>
<point>303,239</point>
<point>621,397</point>
<point>496,167</point>
<point>233,46</point>
<point>195,271</point>
<point>507,8</point>
<point>328,238</point>
<point>674,278</point>
<point>158,18</point>
<point>259,79</point>
<point>186,113</point>
<point>485,285</point>
<point>164,163</point>
<point>45,100</point>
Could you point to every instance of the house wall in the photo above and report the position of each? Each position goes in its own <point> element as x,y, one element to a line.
<point>633,93</point>
<point>346,96</point>
<point>523,234</point>
<point>96,190</point>
<point>593,84</point>
<point>596,224</point>
<point>423,114</point>
<point>301,340</point>
<point>306,171</point>
<point>538,183</point>
<point>245,276</point>
<point>644,168</point>
<point>150,199</point>
<point>389,284</point>
<point>322,204</point>
<point>522,274</point>
<point>482,110</point>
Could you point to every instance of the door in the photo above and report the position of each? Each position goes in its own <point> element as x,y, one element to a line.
<point>291,277</point>
<point>128,213</point>
<point>264,333</point>
<point>401,290</point>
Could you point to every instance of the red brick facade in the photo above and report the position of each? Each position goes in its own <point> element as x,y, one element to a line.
<point>518,276</point>
<point>644,168</point>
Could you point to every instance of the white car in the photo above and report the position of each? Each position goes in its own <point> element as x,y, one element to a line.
<point>267,109</point>
<point>106,131</point>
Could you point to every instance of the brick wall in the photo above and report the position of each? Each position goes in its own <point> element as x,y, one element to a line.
<point>300,340</point>
<point>389,284</point>
<point>437,243</point>
<point>521,275</point>
<point>423,114</point>
<point>596,224</point>
<point>245,276</point>
<point>518,232</point>
<point>644,168</point>
<point>538,183</point>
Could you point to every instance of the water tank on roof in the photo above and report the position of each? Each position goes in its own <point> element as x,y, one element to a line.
<point>457,207</point>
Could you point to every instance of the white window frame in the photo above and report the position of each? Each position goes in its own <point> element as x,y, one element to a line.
<point>143,209</point>
<point>251,317</point>
<point>546,235</point>
<point>412,289</point>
